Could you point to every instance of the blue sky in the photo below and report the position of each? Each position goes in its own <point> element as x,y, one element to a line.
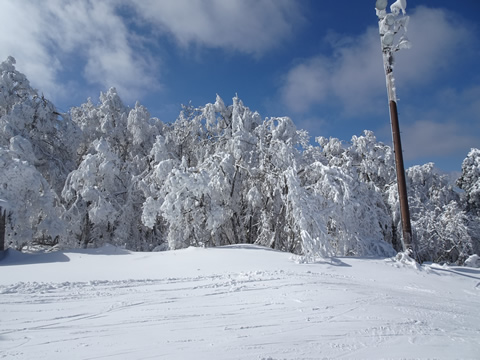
<point>316,61</point>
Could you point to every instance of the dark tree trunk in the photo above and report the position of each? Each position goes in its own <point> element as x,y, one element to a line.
<point>85,236</point>
<point>3,224</point>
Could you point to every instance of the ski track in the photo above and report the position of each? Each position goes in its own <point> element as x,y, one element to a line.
<point>268,315</point>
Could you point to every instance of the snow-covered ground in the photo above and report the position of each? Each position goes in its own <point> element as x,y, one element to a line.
<point>238,302</point>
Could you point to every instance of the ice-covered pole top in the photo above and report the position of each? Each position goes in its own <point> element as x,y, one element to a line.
<point>381,5</point>
<point>396,7</point>
<point>399,5</point>
<point>391,24</point>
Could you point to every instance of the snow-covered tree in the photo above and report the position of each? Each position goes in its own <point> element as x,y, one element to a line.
<point>373,160</point>
<point>92,195</point>
<point>107,120</point>
<point>440,225</point>
<point>249,181</point>
<point>14,87</point>
<point>116,142</point>
<point>469,181</point>
<point>443,235</point>
<point>32,208</point>
<point>24,113</point>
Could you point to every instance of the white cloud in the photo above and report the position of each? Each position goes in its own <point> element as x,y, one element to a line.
<point>21,36</point>
<point>450,127</point>
<point>41,35</point>
<point>249,26</point>
<point>308,83</point>
<point>427,138</point>
<point>94,31</point>
<point>438,38</point>
<point>353,75</point>
<point>350,76</point>
<point>46,36</point>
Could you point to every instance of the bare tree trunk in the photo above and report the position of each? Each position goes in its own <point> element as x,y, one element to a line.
<point>85,236</point>
<point>3,224</point>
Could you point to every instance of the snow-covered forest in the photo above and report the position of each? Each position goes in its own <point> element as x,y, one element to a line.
<point>219,174</point>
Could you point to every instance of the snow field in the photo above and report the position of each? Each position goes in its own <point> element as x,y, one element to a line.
<point>239,302</point>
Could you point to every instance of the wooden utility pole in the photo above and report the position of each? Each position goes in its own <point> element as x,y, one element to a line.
<point>390,25</point>
<point>401,181</point>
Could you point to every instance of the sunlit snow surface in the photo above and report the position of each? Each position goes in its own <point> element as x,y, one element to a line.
<point>239,302</point>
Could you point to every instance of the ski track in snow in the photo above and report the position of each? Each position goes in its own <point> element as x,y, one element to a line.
<point>315,311</point>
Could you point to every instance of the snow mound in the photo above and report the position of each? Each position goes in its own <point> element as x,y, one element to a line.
<point>402,259</point>
<point>473,261</point>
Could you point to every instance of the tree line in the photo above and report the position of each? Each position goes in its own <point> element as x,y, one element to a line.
<point>219,174</point>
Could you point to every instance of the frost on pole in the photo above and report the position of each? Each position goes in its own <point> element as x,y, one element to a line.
<point>399,5</point>
<point>392,28</point>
